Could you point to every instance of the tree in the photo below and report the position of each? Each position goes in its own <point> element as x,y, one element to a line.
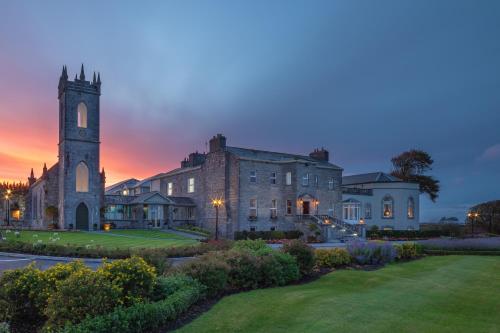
<point>488,215</point>
<point>411,166</point>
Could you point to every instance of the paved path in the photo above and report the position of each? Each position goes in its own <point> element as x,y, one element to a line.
<point>16,260</point>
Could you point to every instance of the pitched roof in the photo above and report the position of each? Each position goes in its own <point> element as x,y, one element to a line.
<point>373,177</point>
<point>182,201</point>
<point>128,182</point>
<point>276,157</point>
<point>143,198</point>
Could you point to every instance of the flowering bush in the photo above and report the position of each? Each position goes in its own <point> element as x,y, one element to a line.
<point>303,253</point>
<point>4,327</point>
<point>330,258</point>
<point>84,293</point>
<point>133,276</point>
<point>23,296</point>
<point>373,253</point>
<point>258,246</point>
<point>407,251</point>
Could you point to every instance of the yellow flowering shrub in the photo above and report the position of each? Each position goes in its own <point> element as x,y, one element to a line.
<point>133,276</point>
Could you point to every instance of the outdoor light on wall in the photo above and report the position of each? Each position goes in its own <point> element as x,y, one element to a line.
<point>107,227</point>
<point>361,221</point>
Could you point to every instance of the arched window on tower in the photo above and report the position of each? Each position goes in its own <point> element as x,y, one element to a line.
<point>82,177</point>
<point>82,115</point>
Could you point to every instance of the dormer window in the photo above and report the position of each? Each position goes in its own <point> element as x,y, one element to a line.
<point>82,115</point>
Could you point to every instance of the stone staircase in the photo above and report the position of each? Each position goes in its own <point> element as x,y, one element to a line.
<point>334,229</point>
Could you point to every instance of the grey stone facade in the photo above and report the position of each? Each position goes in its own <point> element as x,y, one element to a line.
<point>224,173</point>
<point>78,146</point>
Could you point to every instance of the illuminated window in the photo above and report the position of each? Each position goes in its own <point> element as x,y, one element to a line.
<point>274,209</point>
<point>289,207</point>
<point>170,188</point>
<point>253,176</point>
<point>272,178</point>
<point>82,177</point>
<point>305,180</point>
<point>387,207</point>
<point>252,212</point>
<point>411,208</point>
<point>82,115</point>
<point>289,178</point>
<point>191,185</point>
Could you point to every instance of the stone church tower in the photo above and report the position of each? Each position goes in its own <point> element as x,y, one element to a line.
<point>80,182</point>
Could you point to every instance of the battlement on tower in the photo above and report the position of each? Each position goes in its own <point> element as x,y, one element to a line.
<point>79,83</point>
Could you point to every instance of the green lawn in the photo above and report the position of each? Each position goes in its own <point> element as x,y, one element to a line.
<point>111,239</point>
<point>436,294</point>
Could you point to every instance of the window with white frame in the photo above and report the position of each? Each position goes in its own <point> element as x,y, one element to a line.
<point>331,209</point>
<point>411,208</point>
<point>252,211</point>
<point>82,115</point>
<point>288,179</point>
<point>274,209</point>
<point>170,188</point>
<point>331,184</point>
<point>305,180</point>
<point>272,178</point>
<point>368,210</point>
<point>253,176</point>
<point>387,207</point>
<point>289,207</point>
<point>191,185</point>
<point>316,180</point>
<point>351,211</point>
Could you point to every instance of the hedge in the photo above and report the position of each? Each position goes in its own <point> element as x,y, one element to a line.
<point>142,317</point>
<point>268,235</point>
<point>408,234</point>
<point>461,252</point>
<point>101,252</point>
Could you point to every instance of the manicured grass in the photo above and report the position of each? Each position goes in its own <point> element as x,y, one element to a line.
<point>112,239</point>
<point>434,294</point>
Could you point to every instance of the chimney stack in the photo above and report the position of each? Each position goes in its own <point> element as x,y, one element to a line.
<point>320,154</point>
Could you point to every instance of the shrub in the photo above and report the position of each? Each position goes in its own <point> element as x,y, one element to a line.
<point>133,276</point>
<point>141,317</point>
<point>267,235</point>
<point>289,266</point>
<point>407,251</point>
<point>168,285</point>
<point>157,258</point>
<point>208,269</point>
<point>330,258</point>
<point>373,253</point>
<point>303,253</point>
<point>60,272</point>
<point>84,293</point>
<point>23,296</point>
<point>251,245</point>
<point>244,270</point>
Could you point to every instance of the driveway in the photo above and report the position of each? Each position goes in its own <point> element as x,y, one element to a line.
<point>14,260</point>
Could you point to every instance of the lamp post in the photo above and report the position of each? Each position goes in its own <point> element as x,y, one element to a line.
<point>472,216</point>
<point>7,198</point>
<point>217,203</point>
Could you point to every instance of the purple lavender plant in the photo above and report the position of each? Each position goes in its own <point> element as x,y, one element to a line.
<point>371,253</point>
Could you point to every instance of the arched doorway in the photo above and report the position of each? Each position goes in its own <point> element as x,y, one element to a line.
<point>82,217</point>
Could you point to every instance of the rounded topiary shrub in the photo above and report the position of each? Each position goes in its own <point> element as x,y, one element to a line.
<point>303,253</point>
